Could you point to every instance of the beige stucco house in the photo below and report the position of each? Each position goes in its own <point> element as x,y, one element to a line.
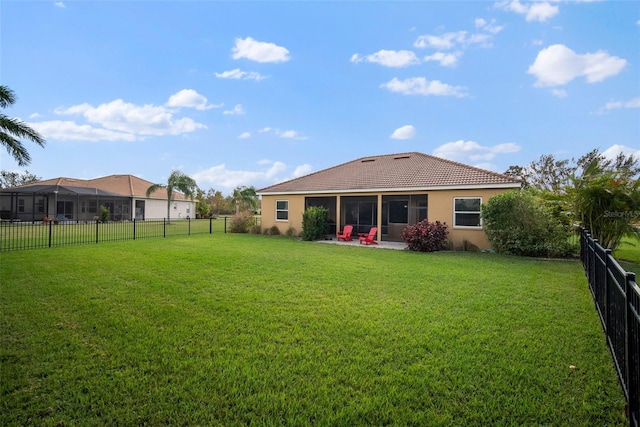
<point>71,199</point>
<point>390,192</point>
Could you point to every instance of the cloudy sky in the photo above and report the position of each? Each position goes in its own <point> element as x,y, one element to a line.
<point>253,93</point>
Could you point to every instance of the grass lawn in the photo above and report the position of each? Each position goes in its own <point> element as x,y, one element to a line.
<point>628,254</point>
<point>235,330</point>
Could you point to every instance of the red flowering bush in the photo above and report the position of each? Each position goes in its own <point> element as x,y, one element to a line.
<point>425,236</point>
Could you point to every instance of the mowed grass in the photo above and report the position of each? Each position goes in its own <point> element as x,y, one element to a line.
<point>628,255</point>
<point>235,330</point>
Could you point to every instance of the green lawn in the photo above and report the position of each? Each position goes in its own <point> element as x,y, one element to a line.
<point>235,330</point>
<point>628,255</point>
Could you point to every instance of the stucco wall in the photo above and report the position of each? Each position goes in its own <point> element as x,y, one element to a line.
<point>440,208</point>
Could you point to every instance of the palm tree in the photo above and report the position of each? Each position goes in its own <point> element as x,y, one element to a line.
<point>246,196</point>
<point>12,129</point>
<point>177,181</point>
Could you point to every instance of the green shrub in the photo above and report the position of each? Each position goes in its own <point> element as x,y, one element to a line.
<point>425,236</point>
<point>274,231</point>
<point>315,223</point>
<point>104,214</point>
<point>291,232</point>
<point>518,223</point>
<point>241,222</point>
<point>255,229</point>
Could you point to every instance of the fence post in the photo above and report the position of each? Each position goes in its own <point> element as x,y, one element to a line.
<point>210,225</point>
<point>164,227</point>
<point>134,229</point>
<point>97,229</point>
<point>225,225</point>
<point>188,226</point>
<point>632,348</point>
<point>50,232</point>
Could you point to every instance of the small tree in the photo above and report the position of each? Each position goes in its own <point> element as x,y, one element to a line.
<point>177,181</point>
<point>315,223</point>
<point>11,129</point>
<point>242,222</point>
<point>425,236</point>
<point>518,223</point>
<point>607,203</point>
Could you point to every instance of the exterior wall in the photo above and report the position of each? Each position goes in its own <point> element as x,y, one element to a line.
<point>440,208</point>
<point>157,209</point>
<point>296,209</point>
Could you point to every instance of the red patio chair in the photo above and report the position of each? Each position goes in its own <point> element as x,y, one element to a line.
<point>346,233</point>
<point>369,238</point>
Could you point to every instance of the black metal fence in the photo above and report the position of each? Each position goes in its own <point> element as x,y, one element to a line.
<point>33,235</point>
<point>617,298</point>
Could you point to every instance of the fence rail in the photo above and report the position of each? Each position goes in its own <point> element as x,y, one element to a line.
<point>34,235</point>
<point>617,298</point>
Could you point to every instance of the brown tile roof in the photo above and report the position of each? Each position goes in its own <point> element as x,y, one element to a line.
<point>124,185</point>
<point>410,171</point>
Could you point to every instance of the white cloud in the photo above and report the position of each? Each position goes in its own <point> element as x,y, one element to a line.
<point>264,130</point>
<point>613,151</point>
<point>617,105</point>
<point>404,132</point>
<point>614,105</point>
<point>560,93</point>
<point>291,134</point>
<point>59,4</point>
<point>237,111</point>
<point>244,135</point>
<point>456,39</point>
<point>220,177</point>
<point>240,75</point>
<point>490,27</point>
<point>302,170</point>
<point>191,99</point>
<point>389,58</point>
<point>422,86</point>
<point>70,131</point>
<point>259,51</point>
<point>557,65</point>
<point>445,59</point>
<point>540,11</point>
<point>470,152</point>
<point>126,117</point>
<point>35,115</point>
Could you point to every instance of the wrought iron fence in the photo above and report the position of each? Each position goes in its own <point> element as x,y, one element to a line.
<point>617,299</point>
<point>33,235</point>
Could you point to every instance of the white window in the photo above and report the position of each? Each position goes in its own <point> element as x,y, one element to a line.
<point>466,212</point>
<point>282,210</point>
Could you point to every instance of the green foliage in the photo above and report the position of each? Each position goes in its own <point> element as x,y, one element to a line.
<point>242,330</point>
<point>255,229</point>
<point>607,203</point>
<point>291,232</point>
<point>14,179</point>
<point>104,214</point>
<point>425,236</point>
<point>516,222</point>
<point>177,181</point>
<point>11,129</point>
<point>274,231</point>
<point>241,222</point>
<point>315,223</point>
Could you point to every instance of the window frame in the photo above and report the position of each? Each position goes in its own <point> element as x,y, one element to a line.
<point>478,212</point>
<point>285,210</point>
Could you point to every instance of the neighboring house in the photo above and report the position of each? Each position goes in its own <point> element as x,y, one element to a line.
<point>80,200</point>
<point>390,192</point>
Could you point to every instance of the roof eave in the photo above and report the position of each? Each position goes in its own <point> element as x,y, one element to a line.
<point>398,189</point>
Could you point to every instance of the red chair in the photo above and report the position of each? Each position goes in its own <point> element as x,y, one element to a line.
<point>368,239</point>
<point>346,233</point>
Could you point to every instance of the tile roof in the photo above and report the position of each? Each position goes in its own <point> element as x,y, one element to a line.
<point>123,185</point>
<point>410,171</point>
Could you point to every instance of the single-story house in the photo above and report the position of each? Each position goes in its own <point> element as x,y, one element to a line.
<point>390,192</point>
<point>69,199</point>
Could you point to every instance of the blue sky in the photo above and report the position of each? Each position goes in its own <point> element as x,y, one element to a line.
<point>253,93</point>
